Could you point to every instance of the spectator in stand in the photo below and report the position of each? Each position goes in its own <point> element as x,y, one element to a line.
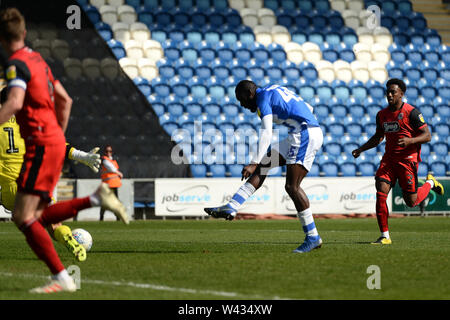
<point>110,174</point>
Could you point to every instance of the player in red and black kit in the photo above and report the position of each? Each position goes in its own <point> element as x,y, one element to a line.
<point>405,130</point>
<point>42,108</point>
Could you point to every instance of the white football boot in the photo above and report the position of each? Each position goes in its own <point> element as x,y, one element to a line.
<point>109,201</point>
<point>54,286</point>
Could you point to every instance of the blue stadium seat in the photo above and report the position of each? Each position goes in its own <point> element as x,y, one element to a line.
<point>349,36</point>
<point>403,22</point>
<point>342,92</point>
<point>194,109</point>
<point>299,37</point>
<point>217,92</point>
<point>427,111</point>
<point>172,54</point>
<point>285,19</point>
<point>439,168</point>
<point>104,30</point>
<point>180,18</point>
<point>335,20</point>
<point>170,127</point>
<point>175,109</point>
<point>387,21</point>
<point>239,72</point>
<point>229,37</point>
<point>423,169</point>
<point>247,37</point>
<point>442,130</point>
<point>217,170</point>
<point>278,55</point>
<point>167,72</point>
<point>275,74</point>
<point>226,127</point>
<point>348,169</point>
<point>292,74</point>
<point>199,19</point>
<point>347,55</point>
<point>337,130</point>
<point>330,55</point>
<point>243,56</point>
<point>92,13</point>
<point>143,85</point>
<point>417,39</point>
<point>354,130</point>
<point>117,48</point>
<point>321,111</point>
<point>261,56</point>
<point>315,170</point>
<point>366,169</point>
<point>339,112</point>
<point>207,55</point>
<point>233,19</point>
<point>307,92</point>
<point>440,149</point>
<point>316,37</point>
<point>333,149</point>
<point>443,110</point>
<point>216,19</point>
<point>203,5</point>
<point>428,92</point>
<point>226,55</point>
<point>221,72</point>
<point>194,37</point>
<point>309,73</point>
<point>185,72</point>
<point>425,149</point>
<point>430,74</point>
<point>235,170</point>
<point>162,90</point>
<point>159,108</point>
<point>330,169</point>
<point>356,111</point>
<point>418,21</point>
<point>162,18</point>
<point>348,147</point>
<point>198,170</point>
<point>404,7</point>
<point>398,56</point>
<point>198,91</point>
<point>256,74</point>
<point>190,55</point>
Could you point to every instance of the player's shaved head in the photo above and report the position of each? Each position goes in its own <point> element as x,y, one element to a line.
<point>398,82</point>
<point>246,87</point>
<point>12,25</point>
<point>246,94</point>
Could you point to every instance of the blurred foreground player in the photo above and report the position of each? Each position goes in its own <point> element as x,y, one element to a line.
<point>42,109</point>
<point>405,130</point>
<point>277,104</point>
<point>12,150</point>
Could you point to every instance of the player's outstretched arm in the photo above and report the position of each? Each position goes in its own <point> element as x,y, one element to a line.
<point>13,103</point>
<point>90,159</point>
<point>374,141</point>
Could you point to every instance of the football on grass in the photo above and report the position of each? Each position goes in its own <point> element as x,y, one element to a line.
<point>83,237</point>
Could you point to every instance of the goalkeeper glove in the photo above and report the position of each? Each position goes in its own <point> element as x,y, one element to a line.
<point>90,159</point>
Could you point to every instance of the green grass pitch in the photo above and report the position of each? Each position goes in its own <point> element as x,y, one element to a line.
<point>241,260</point>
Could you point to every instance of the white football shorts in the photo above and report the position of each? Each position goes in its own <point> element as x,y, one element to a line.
<point>301,147</point>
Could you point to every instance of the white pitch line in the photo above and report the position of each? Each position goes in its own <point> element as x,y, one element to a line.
<point>154,287</point>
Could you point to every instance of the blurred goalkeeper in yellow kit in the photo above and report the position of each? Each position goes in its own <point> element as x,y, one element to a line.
<point>12,150</point>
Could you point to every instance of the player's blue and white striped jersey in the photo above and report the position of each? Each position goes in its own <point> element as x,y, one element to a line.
<point>286,107</point>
